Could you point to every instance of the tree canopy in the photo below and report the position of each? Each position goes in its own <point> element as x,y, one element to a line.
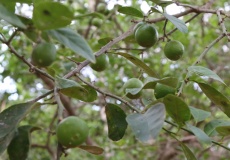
<point>149,78</point>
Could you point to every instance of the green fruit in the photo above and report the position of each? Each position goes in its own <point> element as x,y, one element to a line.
<point>101,7</point>
<point>146,35</point>
<point>162,90</point>
<point>137,26</point>
<point>133,83</point>
<point>72,131</point>
<point>101,63</point>
<point>96,22</point>
<point>174,50</point>
<point>44,54</point>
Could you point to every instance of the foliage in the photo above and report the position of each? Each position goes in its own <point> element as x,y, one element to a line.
<point>193,123</point>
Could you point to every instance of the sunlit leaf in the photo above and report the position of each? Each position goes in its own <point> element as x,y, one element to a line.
<point>180,25</point>
<point>169,81</point>
<point>51,15</point>
<point>204,72</point>
<point>74,41</point>
<point>116,121</point>
<point>10,17</point>
<point>130,11</point>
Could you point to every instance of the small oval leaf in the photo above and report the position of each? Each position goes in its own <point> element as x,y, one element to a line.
<point>201,136</point>
<point>138,63</point>
<point>202,71</point>
<point>177,109</point>
<point>130,11</point>
<point>116,121</point>
<point>51,15</point>
<point>210,128</point>
<point>10,17</point>
<point>147,126</point>
<point>199,114</point>
<point>216,97</point>
<point>180,25</point>
<point>74,41</point>
<point>92,149</point>
<point>223,130</point>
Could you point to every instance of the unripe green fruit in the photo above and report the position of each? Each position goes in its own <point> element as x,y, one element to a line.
<point>132,84</point>
<point>146,35</point>
<point>72,131</point>
<point>44,54</point>
<point>101,7</point>
<point>101,63</point>
<point>96,22</point>
<point>174,50</point>
<point>137,26</point>
<point>162,90</point>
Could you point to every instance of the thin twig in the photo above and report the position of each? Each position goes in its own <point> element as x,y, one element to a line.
<point>109,94</point>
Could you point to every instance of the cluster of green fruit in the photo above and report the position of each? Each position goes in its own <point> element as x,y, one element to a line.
<point>72,132</point>
<point>146,35</point>
<point>135,84</point>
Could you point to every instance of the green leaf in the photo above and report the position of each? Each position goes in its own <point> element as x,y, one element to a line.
<point>5,141</point>
<point>199,114</point>
<point>147,126</point>
<point>74,41</point>
<point>51,15</point>
<point>180,25</point>
<point>20,1</point>
<point>223,130</point>
<point>92,149</point>
<point>94,14</point>
<point>104,41</point>
<point>162,3</point>
<point>10,6</point>
<point>138,63</point>
<point>177,109</point>
<point>201,136</point>
<point>169,81</point>
<point>202,71</point>
<point>210,128</point>
<point>116,121</point>
<point>130,11</point>
<point>75,90</point>
<point>188,153</point>
<point>216,97</point>
<point>11,117</point>
<point>10,17</point>
<point>20,144</point>
<point>63,83</point>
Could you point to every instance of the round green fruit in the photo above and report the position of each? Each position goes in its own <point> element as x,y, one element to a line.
<point>96,22</point>
<point>146,35</point>
<point>72,131</point>
<point>100,64</point>
<point>44,54</point>
<point>162,90</point>
<point>132,84</point>
<point>137,26</point>
<point>174,50</point>
<point>101,7</point>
